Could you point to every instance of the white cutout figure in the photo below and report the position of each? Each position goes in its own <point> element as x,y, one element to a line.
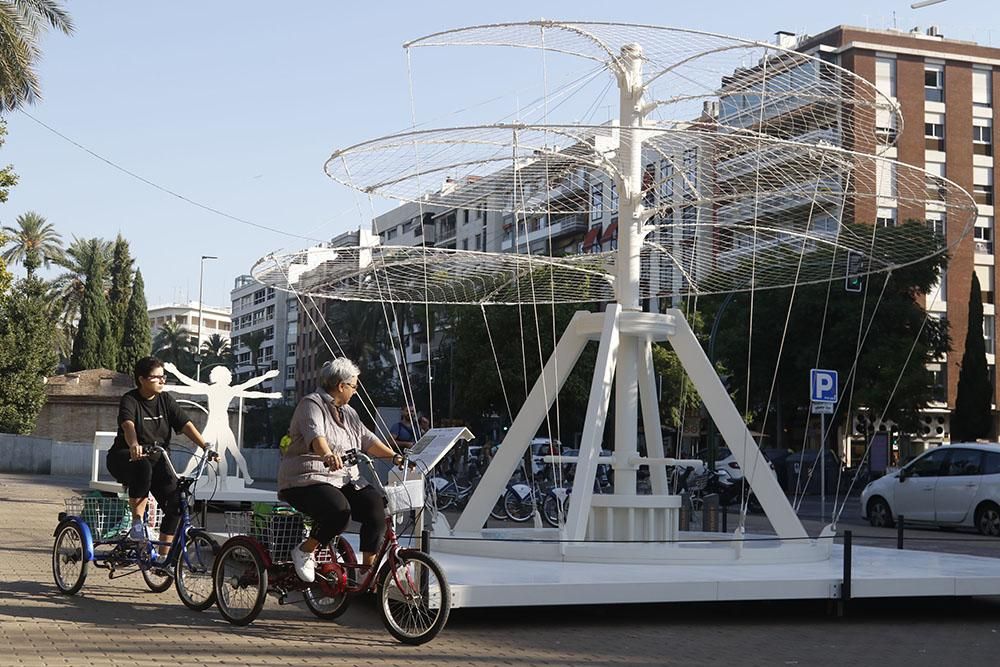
<point>220,394</point>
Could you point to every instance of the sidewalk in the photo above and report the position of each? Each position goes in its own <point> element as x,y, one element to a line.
<point>119,622</point>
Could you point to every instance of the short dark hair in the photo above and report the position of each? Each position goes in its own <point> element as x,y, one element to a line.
<point>144,367</point>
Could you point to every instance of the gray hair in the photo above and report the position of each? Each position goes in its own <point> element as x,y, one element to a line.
<point>336,371</point>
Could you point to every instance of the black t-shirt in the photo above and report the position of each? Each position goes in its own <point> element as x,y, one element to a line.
<point>153,419</point>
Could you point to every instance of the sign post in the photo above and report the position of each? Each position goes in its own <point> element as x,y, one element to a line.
<point>823,399</point>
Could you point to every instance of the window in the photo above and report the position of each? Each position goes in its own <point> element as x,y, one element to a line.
<point>934,131</point>
<point>259,296</point>
<point>465,244</point>
<point>885,179</point>
<point>244,358</point>
<point>390,234</point>
<point>984,235</point>
<point>885,76</point>
<point>614,198</point>
<point>964,462</point>
<point>596,201</point>
<point>982,185</point>
<point>989,332</point>
<point>465,216</point>
<point>982,87</point>
<point>666,182</point>
<point>982,136</point>
<point>290,372</point>
<point>929,465</point>
<point>985,275</point>
<point>648,185</point>
<point>690,170</point>
<point>936,221</point>
<point>938,384</point>
<point>991,463</point>
<point>934,83</point>
<point>290,351</point>
<point>936,186</point>
<point>885,217</point>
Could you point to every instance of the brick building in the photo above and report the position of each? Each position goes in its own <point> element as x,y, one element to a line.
<point>944,90</point>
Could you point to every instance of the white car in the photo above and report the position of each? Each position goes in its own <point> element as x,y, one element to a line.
<point>951,485</point>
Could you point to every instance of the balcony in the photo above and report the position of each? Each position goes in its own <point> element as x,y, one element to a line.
<point>561,226</point>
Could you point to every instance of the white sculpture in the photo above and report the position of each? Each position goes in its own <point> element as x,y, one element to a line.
<point>220,394</point>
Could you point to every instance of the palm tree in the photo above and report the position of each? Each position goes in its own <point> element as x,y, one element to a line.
<point>174,343</point>
<point>216,350</point>
<point>252,341</point>
<point>67,289</point>
<point>32,243</point>
<point>22,23</point>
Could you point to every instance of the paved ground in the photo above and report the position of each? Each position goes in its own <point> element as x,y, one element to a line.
<point>121,623</point>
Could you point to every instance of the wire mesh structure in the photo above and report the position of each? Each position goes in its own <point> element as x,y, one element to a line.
<point>724,211</point>
<point>758,161</point>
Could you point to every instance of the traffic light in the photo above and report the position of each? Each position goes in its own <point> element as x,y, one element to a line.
<point>852,279</point>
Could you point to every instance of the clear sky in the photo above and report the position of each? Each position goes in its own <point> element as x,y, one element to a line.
<point>237,105</point>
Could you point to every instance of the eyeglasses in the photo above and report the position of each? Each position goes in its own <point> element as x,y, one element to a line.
<point>352,386</point>
<point>156,378</point>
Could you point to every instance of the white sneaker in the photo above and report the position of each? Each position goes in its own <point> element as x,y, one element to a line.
<point>305,563</point>
<point>138,532</point>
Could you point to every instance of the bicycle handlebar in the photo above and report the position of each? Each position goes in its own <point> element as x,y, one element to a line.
<point>154,451</point>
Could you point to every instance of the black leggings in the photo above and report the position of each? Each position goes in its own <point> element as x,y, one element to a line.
<point>142,477</point>
<point>331,509</point>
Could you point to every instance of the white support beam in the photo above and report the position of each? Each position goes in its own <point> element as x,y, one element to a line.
<point>651,418</point>
<point>525,425</point>
<point>593,430</point>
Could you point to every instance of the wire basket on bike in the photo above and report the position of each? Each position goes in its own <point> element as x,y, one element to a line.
<point>280,530</point>
<point>109,518</point>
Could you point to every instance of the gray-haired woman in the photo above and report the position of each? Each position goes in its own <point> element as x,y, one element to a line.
<point>312,477</point>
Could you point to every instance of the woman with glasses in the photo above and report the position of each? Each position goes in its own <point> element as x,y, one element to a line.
<point>148,416</point>
<point>312,476</point>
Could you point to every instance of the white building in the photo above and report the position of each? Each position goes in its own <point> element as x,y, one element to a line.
<point>216,319</point>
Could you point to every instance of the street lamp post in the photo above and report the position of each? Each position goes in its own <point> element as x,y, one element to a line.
<point>201,308</point>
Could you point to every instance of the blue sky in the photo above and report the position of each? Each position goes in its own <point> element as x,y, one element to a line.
<point>237,105</point>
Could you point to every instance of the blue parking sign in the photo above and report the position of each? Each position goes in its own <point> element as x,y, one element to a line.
<point>823,386</point>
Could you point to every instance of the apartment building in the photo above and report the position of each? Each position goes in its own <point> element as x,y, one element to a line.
<point>261,312</point>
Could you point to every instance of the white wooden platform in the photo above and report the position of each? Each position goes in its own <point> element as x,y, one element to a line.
<point>877,573</point>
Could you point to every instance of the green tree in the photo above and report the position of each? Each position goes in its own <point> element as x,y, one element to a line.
<point>174,343</point>
<point>88,344</point>
<point>27,356</point>
<point>8,178</point>
<point>216,350</point>
<point>136,337</point>
<point>893,322</point>
<point>973,416</point>
<point>68,288</point>
<point>253,342</point>
<point>119,292</point>
<point>22,24</point>
<point>520,346</point>
<point>33,242</point>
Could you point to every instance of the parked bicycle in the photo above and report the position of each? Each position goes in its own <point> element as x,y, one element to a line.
<point>414,599</point>
<point>91,524</point>
<point>447,492</point>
